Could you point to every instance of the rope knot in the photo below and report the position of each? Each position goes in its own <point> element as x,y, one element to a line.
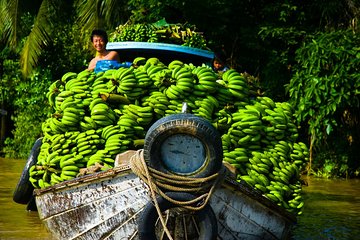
<point>160,183</point>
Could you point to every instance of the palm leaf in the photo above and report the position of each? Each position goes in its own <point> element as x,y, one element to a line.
<point>101,13</point>
<point>38,38</point>
<point>88,14</point>
<point>9,21</point>
<point>114,12</point>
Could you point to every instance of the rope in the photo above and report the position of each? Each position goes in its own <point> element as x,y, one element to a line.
<point>157,181</point>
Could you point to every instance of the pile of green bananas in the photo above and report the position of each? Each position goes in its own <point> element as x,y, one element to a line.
<point>180,34</point>
<point>261,144</point>
<point>97,116</point>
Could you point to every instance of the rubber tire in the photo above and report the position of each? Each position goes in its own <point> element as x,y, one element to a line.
<point>31,206</point>
<point>189,124</point>
<point>206,217</point>
<point>24,189</point>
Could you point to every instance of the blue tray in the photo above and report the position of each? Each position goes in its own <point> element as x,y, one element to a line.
<point>164,51</point>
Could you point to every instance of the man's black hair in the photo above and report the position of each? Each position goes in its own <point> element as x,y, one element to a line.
<point>99,32</point>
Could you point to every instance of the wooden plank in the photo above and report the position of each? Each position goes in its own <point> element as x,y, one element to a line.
<point>58,200</point>
<point>239,216</point>
<point>93,209</point>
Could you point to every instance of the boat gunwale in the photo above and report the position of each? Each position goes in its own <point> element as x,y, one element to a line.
<point>229,181</point>
<point>107,174</point>
<point>256,194</point>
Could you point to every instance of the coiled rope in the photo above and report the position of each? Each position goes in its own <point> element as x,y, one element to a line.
<point>158,181</point>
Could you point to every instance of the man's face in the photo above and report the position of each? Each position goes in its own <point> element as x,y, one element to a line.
<point>98,43</point>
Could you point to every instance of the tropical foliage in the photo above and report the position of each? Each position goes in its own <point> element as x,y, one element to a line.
<point>311,47</point>
<point>325,89</point>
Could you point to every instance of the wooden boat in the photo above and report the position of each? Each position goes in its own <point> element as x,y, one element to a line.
<point>106,205</point>
<point>110,204</point>
<point>113,204</point>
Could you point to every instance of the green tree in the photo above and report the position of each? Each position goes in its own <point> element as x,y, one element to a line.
<point>325,89</point>
<point>50,14</point>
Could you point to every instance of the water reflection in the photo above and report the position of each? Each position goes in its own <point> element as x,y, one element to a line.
<point>15,221</point>
<point>331,210</point>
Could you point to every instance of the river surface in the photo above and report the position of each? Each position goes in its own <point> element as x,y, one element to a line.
<point>332,209</point>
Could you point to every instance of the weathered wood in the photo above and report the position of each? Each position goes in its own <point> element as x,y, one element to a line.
<point>106,205</point>
<point>242,217</point>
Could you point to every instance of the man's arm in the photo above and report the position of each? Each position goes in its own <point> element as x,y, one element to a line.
<point>92,64</point>
<point>113,55</point>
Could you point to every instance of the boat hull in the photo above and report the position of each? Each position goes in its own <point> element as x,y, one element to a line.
<point>107,205</point>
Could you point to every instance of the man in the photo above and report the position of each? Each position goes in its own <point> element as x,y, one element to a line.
<point>99,39</point>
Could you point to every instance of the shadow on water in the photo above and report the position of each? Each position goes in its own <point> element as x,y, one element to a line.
<point>331,210</point>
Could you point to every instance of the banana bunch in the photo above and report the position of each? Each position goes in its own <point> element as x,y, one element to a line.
<point>101,113</point>
<point>236,83</point>
<point>167,33</point>
<point>153,66</point>
<point>175,106</point>
<point>68,76</point>
<point>54,154</point>
<point>127,123</point>
<point>103,83</point>
<point>228,143</point>
<point>184,78</point>
<point>135,32</point>
<point>276,179</point>
<point>82,81</point>
<point>195,40</point>
<point>206,107</point>
<point>174,92</point>
<point>143,80</point>
<point>54,89</point>
<point>102,157</point>
<point>223,95</point>
<point>205,79</point>
<point>70,165</point>
<point>279,125</point>
<point>181,83</point>
<point>161,77</point>
<point>87,143</point>
<point>116,142</point>
<point>223,118</point>
<point>142,86</point>
<point>159,102</point>
<point>39,176</point>
<point>299,154</point>
<point>130,127</point>
<point>270,159</point>
<point>246,128</point>
<point>174,64</point>
<point>61,97</point>
<point>142,115</point>
<point>128,85</point>
<point>87,123</point>
<point>72,115</point>
<point>52,126</point>
<point>238,157</point>
<point>77,86</point>
<point>139,62</point>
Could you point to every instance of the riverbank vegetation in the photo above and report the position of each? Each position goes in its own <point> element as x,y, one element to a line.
<point>306,53</point>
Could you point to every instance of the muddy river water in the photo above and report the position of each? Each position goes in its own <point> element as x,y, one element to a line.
<point>332,209</point>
